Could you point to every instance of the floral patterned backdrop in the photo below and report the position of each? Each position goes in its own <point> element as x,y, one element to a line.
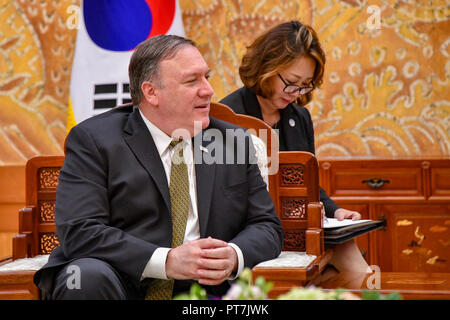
<point>386,88</point>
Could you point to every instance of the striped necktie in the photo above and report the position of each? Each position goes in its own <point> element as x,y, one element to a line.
<point>161,289</point>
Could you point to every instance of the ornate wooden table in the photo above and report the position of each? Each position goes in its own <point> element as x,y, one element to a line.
<point>411,285</point>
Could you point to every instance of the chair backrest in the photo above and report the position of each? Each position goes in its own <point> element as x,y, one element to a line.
<point>37,229</point>
<point>295,192</point>
<point>257,128</point>
<point>294,186</point>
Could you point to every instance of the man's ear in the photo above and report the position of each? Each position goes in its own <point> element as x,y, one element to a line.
<point>149,93</point>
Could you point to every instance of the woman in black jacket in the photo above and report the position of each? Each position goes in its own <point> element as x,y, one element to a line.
<point>280,70</point>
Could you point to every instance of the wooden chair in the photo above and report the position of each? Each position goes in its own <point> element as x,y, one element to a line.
<point>294,189</point>
<point>37,229</point>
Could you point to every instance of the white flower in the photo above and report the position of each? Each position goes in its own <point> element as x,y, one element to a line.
<point>257,293</point>
<point>233,293</point>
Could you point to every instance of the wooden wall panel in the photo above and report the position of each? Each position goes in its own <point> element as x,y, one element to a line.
<point>385,88</point>
<point>12,196</point>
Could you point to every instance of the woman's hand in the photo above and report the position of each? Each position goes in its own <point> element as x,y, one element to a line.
<point>342,214</point>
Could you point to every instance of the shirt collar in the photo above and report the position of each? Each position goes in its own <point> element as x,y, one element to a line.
<point>161,139</point>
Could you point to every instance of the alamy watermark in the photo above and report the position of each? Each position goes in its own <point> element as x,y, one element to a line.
<point>374,280</point>
<point>212,146</point>
<point>73,21</point>
<point>374,20</point>
<point>372,23</point>
<point>74,280</point>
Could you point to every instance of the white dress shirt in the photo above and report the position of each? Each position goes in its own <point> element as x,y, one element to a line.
<point>156,267</point>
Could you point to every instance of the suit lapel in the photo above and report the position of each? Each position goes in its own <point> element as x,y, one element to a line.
<point>205,174</point>
<point>291,129</point>
<point>251,104</point>
<point>142,145</point>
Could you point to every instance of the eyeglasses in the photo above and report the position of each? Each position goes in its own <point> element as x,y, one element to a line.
<point>292,88</point>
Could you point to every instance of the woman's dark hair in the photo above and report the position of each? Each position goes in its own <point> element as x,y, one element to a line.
<point>274,51</point>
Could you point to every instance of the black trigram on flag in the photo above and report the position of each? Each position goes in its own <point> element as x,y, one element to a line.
<point>109,95</point>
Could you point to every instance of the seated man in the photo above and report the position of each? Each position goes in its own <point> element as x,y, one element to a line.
<point>140,213</point>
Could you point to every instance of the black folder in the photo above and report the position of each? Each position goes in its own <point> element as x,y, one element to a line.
<point>342,234</point>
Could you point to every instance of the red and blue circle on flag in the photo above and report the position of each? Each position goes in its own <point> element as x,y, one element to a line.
<point>120,25</point>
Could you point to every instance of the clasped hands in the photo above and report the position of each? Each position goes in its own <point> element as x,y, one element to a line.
<point>210,261</point>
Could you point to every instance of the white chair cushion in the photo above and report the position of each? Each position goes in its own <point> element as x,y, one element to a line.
<point>289,259</point>
<point>34,263</point>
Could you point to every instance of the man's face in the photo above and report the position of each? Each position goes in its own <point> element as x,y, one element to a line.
<point>186,94</point>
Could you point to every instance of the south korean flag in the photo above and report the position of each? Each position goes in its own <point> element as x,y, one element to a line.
<point>109,31</point>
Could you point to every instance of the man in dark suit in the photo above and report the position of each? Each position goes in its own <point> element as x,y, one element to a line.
<point>115,205</point>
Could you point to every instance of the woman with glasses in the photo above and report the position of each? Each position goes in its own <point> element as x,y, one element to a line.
<point>280,71</point>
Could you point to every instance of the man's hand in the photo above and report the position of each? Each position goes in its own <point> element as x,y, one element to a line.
<point>342,214</point>
<point>211,261</point>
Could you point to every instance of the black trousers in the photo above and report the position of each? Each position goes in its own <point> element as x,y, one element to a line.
<point>92,279</point>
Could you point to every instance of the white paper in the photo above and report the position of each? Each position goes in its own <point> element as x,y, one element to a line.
<point>329,223</point>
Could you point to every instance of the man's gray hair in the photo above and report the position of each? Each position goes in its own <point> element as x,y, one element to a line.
<point>144,63</point>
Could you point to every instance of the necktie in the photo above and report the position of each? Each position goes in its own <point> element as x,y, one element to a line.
<point>161,289</point>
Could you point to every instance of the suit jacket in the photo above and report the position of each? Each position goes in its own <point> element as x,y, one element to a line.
<point>296,129</point>
<point>113,199</point>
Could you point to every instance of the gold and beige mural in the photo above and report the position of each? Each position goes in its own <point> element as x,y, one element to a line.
<point>386,88</point>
